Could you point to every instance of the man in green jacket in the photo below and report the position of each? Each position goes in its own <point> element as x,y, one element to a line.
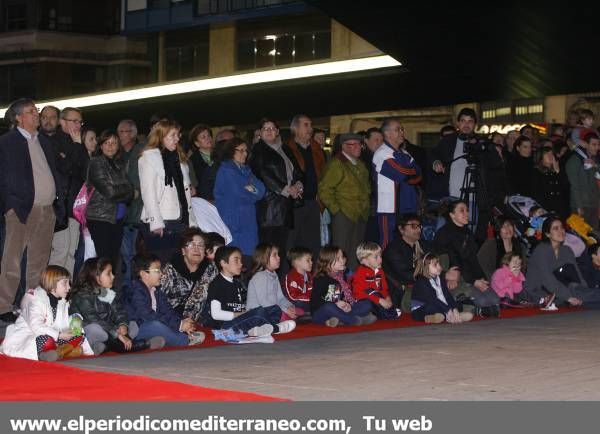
<point>344,190</point>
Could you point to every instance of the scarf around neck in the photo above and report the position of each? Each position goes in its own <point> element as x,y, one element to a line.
<point>173,174</point>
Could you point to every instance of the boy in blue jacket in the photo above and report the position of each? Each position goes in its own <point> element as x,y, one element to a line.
<point>148,306</point>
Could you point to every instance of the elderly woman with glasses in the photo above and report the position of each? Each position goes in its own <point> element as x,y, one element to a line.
<point>236,192</point>
<point>185,278</point>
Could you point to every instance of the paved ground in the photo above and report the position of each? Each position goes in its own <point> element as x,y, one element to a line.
<point>552,357</point>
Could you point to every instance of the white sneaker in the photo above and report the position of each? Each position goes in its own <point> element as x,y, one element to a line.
<point>286,326</point>
<point>196,338</point>
<point>260,331</point>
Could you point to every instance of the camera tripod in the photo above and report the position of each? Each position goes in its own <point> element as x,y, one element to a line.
<point>473,192</point>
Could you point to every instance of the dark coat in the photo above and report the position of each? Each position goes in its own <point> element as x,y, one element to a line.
<point>460,246</point>
<point>268,166</point>
<point>438,183</point>
<point>112,187</point>
<point>205,174</point>
<point>139,307</point>
<point>551,191</point>
<point>423,292</point>
<point>520,174</point>
<point>16,176</point>
<point>70,159</point>
<point>398,262</point>
<point>85,302</point>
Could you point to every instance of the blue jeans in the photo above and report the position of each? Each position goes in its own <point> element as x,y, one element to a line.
<point>254,318</point>
<point>328,310</point>
<point>173,338</point>
<point>128,251</point>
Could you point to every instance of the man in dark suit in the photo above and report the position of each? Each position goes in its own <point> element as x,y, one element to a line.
<point>30,189</point>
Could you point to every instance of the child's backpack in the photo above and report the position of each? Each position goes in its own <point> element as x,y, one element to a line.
<point>81,203</point>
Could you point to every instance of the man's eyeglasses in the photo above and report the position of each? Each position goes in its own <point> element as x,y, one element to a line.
<point>414,225</point>
<point>154,270</point>
<point>195,245</point>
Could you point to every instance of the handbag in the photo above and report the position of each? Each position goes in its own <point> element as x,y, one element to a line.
<point>81,203</point>
<point>567,274</point>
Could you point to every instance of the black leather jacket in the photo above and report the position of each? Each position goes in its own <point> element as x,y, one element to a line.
<point>85,302</point>
<point>268,166</point>
<point>112,187</point>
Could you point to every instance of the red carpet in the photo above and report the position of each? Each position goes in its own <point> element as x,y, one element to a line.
<point>27,380</point>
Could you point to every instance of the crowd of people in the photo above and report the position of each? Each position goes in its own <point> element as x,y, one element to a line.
<point>161,236</point>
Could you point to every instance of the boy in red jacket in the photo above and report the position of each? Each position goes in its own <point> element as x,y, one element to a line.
<point>299,281</point>
<point>369,281</point>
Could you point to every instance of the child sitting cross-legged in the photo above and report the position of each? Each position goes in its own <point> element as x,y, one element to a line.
<point>369,282</point>
<point>328,300</point>
<point>225,306</point>
<point>299,281</point>
<point>105,320</point>
<point>149,307</point>
<point>43,330</point>
<point>431,300</point>
<point>264,288</point>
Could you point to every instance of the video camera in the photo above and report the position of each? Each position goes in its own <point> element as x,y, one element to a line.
<point>475,147</point>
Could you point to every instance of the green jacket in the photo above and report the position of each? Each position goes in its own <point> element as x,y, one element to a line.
<point>345,188</point>
<point>584,189</point>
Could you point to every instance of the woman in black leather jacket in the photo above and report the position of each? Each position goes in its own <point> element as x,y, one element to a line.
<point>107,207</point>
<point>277,170</point>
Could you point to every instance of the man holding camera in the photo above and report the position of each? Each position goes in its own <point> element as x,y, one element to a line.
<point>450,159</point>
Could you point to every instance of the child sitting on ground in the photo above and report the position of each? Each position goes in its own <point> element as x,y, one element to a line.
<point>152,311</point>
<point>225,307</point>
<point>194,305</point>
<point>264,288</point>
<point>508,280</point>
<point>327,303</point>
<point>369,282</point>
<point>299,281</point>
<point>43,330</point>
<point>431,300</point>
<point>105,320</point>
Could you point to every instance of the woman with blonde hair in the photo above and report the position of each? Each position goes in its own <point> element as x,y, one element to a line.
<point>166,189</point>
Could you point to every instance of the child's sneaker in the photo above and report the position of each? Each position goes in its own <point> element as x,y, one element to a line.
<point>260,331</point>
<point>156,343</point>
<point>196,338</point>
<point>465,316</point>
<point>332,322</point>
<point>368,319</point>
<point>436,318</point>
<point>48,356</point>
<point>285,326</point>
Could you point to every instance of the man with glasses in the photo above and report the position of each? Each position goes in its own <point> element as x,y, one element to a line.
<point>397,175</point>
<point>70,163</point>
<point>401,255</point>
<point>31,197</point>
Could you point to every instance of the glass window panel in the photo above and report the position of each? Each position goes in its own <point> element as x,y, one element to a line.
<point>265,53</point>
<point>245,54</point>
<point>304,47</point>
<point>285,48</point>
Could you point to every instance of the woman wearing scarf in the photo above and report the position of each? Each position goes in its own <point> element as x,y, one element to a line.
<point>166,190</point>
<point>276,170</point>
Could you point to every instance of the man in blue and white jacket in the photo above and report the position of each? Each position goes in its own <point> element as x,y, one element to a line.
<point>396,177</point>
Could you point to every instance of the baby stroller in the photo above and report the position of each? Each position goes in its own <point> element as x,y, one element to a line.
<point>530,230</point>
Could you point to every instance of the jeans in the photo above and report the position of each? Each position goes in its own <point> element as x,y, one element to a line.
<point>328,310</point>
<point>254,318</point>
<point>173,338</point>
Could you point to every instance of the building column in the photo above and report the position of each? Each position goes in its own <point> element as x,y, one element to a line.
<point>162,58</point>
<point>222,49</point>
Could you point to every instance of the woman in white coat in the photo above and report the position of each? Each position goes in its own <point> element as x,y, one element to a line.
<point>43,330</point>
<point>166,190</point>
